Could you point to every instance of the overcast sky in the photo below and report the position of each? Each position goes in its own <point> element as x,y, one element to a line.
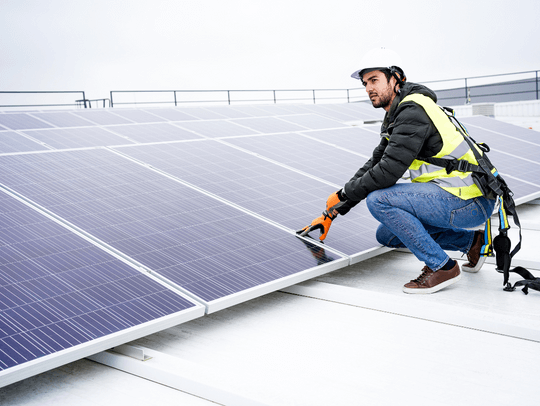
<point>103,45</point>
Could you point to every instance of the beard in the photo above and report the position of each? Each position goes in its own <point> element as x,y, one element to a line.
<point>384,99</point>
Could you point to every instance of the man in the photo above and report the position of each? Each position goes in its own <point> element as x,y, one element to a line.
<point>430,214</point>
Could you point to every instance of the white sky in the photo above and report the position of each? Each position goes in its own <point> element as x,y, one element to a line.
<point>103,45</point>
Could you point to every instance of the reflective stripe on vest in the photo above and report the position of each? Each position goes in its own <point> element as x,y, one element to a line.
<point>458,183</point>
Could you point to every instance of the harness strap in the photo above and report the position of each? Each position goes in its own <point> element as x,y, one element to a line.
<point>529,281</point>
<point>491,181</point>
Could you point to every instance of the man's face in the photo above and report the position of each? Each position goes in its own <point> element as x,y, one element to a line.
<point>379,89</point>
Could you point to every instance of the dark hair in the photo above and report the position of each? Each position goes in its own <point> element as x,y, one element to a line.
<point>396,72</point>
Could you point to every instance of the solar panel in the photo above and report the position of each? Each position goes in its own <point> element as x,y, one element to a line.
<point>355,139</point>
<point>216,128</point>
<point>282,195</point>
<point>138,116</point>
<point>313,121</point>
<point>157,132</point>
<point>21,121</point>
<point>267,125</point>
<point>172,114</point>
<point>227,112</point>
<point>487,123</point>
<point>62,298</point>
<point>63,138</point>
<point>202,113</point>
<point>213,250</point>
<point>62,119</point>
<point>101,117</point>
<point>13,142</point>
<point>352,112</point>
<point>307,155</point>
<point>253,110</point>
<point>514,152</point>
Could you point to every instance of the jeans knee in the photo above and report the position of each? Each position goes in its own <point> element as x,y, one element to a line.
<point>373,201</point>
<point>373,198</point>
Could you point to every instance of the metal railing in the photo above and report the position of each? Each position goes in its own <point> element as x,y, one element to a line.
<point>466,90</point>
<point>476,89</point>
<point>520,89</point>
<point>60,101</point>
<point>179,97</point>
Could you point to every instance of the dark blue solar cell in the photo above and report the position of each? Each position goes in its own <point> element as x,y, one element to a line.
<point>165,225</point>
<point>57,290</point>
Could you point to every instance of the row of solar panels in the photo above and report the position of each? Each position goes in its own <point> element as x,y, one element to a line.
<point>103,245</point>
<point>89,117</point>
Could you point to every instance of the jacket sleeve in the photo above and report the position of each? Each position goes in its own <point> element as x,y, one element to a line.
<point>391,159</point>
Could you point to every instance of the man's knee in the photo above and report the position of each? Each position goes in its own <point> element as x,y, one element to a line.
<point>373,200</point>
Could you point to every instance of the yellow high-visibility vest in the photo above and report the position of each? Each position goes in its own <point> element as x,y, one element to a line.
<point>460,184</point>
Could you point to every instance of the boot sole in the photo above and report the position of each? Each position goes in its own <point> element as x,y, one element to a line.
<point>434,289</point>
<point>476,268</point>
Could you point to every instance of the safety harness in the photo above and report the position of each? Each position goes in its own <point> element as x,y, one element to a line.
<point>492,185</point>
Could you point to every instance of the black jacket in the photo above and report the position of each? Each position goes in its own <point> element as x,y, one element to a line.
<point>410,133</point>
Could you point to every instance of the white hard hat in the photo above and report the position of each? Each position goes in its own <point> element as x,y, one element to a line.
<point>377,59</point>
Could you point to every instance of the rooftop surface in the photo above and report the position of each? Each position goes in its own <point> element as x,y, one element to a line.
<point>348,337</point>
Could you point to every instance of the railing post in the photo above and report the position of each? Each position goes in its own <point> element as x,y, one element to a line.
<point>348,96</point>
<point>467,99</point>
<point>229,96</point>
<point>313,96</point>
<point>536,85</point>
<point>274,96</point>
<point>174,91</point>
<point>111,101</point>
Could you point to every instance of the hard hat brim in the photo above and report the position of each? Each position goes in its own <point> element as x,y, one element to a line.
<point>361,72</point>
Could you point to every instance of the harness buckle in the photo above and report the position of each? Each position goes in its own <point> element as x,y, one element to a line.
<point>463,165</point>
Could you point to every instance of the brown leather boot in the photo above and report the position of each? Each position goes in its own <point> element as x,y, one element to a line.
<point>431,282</point>
<point>473,256</point>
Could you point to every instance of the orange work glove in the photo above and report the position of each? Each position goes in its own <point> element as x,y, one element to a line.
<point>323,223</point>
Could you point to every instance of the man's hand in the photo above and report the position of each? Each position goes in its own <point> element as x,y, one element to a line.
<point>322,223</point>
<point>335,204</point>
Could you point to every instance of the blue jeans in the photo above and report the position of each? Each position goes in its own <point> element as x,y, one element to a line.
<point>427,220</point>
